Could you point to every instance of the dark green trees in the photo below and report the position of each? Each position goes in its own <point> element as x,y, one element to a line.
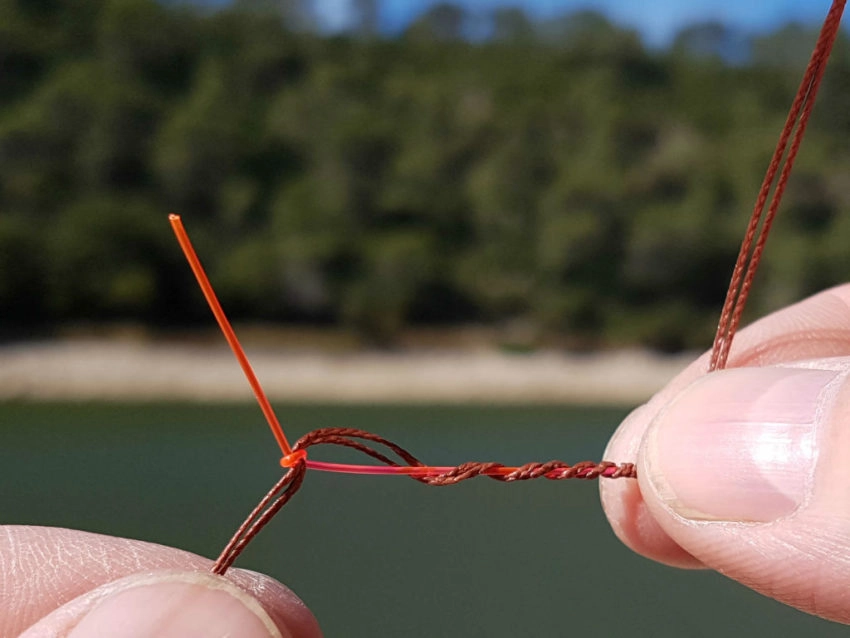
<point>556,175</point>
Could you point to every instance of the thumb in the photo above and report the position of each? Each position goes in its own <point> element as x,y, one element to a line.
<point>748,470</point>
<point>163,604</point>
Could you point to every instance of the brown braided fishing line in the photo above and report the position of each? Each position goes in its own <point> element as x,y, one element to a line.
<point>359,440</point>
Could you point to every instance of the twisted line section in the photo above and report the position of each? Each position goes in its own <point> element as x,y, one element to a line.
<point>362,441</point>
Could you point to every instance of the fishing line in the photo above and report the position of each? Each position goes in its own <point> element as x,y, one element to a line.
<point>395,460</point>
<point>284,489</point>
<point>755,237</point>
<point>295,459</point>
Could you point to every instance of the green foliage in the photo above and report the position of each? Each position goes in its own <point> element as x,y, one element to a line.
<point>394,267</point>
<point>23,286</point>
<point>555,176</point>
<point>108,258</point>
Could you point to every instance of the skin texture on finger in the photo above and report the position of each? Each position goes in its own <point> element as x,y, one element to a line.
<point>42,569</point>
<point>797,551</point>
<point>163,604</point>
<point>814,328</point>
<point>622,501</point>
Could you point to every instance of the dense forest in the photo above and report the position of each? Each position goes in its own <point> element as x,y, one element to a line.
<point>559,175</point>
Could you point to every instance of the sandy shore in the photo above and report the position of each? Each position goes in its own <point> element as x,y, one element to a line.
<point>106,369</point>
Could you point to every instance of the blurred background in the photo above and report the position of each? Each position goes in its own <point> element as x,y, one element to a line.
<point>519,185</point>
<point>584,172</point>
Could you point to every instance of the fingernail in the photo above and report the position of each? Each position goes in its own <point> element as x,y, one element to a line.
<point>739,445</point>
<point>197,605</point>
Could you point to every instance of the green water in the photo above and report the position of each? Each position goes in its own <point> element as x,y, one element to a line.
<point>378,556</point>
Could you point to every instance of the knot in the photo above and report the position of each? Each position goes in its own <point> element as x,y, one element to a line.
<point>401,462</point>
<point>293,458</point>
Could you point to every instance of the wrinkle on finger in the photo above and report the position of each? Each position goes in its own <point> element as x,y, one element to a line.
<point>42,569</point>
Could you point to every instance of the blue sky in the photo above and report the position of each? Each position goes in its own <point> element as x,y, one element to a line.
<point>657,20</point>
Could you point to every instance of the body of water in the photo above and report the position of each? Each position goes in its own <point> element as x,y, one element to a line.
<point>378,556</point>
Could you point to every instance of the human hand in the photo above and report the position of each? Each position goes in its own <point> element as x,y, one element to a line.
<point>70,584</point>
<point>747,470</point>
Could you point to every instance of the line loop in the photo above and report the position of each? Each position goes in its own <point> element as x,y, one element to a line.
<point>366,443</point>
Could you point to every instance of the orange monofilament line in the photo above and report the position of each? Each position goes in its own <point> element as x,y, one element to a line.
<point>292,457</point>
<point>227,329</point>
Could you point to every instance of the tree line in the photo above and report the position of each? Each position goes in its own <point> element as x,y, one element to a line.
<point>559,175</point>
